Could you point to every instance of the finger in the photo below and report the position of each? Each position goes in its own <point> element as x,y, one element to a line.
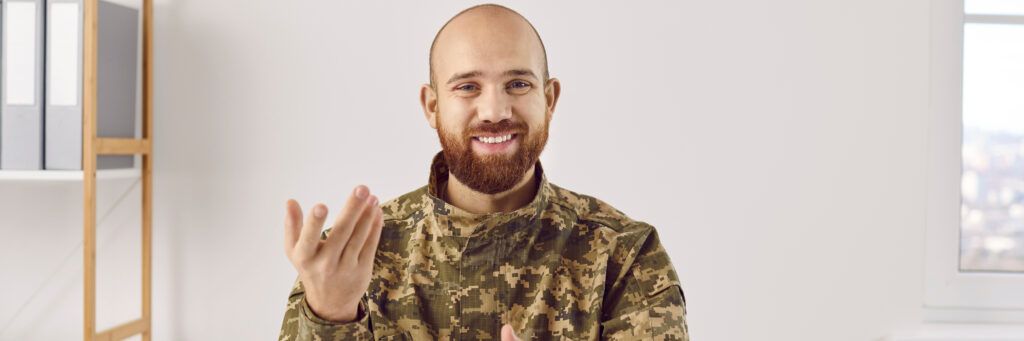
<point>292,220</point>
<point>507,334</point>
<point>370,246</point>
<point>347,219</point>
<point>309,241</point>
<point>360,231</point>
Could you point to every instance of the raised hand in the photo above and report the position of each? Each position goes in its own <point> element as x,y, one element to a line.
<point>335,271</point>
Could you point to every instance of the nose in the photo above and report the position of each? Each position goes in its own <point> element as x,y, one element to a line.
<point>494,106</point>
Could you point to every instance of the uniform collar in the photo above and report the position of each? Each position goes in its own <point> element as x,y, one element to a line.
<point>461,223</point>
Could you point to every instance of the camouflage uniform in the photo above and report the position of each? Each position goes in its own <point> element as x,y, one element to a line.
<point>566,266</point>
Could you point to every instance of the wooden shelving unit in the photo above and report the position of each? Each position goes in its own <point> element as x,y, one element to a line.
<point>93,147</point>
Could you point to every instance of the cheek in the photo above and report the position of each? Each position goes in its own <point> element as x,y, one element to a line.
<point>452,115</point>
<point>532,111</point>
<point>454,109</point>
<point>449,127</point>
<point>453,127</point>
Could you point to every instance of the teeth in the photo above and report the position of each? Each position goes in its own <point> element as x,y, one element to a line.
<point>496,139</point>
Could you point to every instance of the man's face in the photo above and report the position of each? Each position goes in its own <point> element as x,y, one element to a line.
<point>492,110</point>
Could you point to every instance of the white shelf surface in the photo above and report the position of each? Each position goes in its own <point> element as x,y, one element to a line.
<point>66,175</point>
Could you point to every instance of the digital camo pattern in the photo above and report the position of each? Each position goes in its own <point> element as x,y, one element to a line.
<point>566,266</point>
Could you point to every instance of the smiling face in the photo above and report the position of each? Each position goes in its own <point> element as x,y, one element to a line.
<point>490,99</point>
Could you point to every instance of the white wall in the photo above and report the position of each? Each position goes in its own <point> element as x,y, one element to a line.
<point>777,146</point>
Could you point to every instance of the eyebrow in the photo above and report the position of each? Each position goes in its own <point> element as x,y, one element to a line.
<point>477,73</point>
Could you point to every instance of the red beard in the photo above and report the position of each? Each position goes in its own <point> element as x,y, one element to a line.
<point>492,174</point>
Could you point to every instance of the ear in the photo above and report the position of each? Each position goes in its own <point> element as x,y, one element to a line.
<point>552,89</point>
<point>428,99</point>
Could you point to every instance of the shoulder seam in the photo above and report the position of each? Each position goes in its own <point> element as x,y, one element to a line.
<point>606,222</point>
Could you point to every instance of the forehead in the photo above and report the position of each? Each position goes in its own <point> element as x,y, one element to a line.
<point>489,43</point>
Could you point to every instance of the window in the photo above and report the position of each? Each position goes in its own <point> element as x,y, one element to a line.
<point>975,224</point>
<point>992,179</point>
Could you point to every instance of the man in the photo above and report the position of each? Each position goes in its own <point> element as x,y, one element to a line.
<point>488,249</point>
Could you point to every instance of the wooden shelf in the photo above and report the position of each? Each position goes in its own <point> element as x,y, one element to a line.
<point>94,147</point>
<point>73,176</point>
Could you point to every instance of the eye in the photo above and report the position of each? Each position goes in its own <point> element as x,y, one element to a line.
<point>519,86</point>
<point>466,87</point>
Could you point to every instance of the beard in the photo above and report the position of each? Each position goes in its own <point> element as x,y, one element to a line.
<point>492,173</point>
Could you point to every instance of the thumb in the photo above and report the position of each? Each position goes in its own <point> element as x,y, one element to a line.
<point>507,334</point>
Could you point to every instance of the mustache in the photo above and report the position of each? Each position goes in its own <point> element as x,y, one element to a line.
<point>516,127</point>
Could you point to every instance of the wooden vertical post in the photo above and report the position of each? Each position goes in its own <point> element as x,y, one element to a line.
<point>89,63</point>
<point>147,166</point>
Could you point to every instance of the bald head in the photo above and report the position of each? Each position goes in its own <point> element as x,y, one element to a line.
<point>484,31</point>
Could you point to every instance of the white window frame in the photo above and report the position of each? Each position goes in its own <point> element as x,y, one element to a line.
<point>951,295</point>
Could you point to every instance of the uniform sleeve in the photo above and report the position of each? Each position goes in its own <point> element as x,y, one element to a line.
<point>646,301</point>
<point>301,324</point>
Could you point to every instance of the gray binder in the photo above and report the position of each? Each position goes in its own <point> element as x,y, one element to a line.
<point>21,56</point>
<point>118,50</point>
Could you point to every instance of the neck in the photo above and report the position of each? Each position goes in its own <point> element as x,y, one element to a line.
<point>461,196</point>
